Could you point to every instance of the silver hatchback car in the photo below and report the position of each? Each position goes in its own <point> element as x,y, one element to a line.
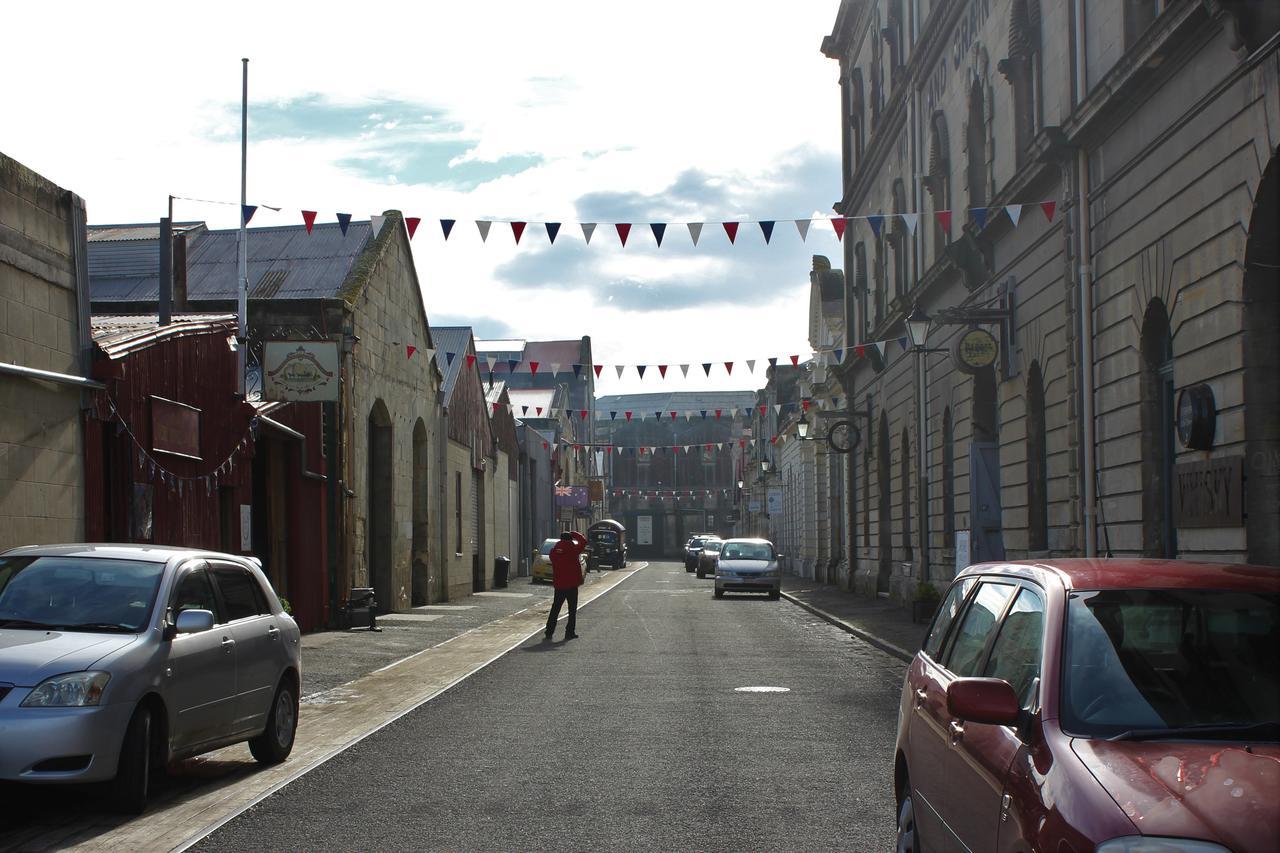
<point>116,659</point>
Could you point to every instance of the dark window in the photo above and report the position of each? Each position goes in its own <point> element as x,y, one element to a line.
<point>938,181</point>
<point>904,476</point>
<point>946,615</point>
<point>1159,533</point>
<point>866,500</point>
<point>860,285</point>
<point>858,117</point>
<point>1139,15</point>
<point>194,592</point>
<point>880,285</point>
<point>1037,464</point>
<point>1015,656</point>
<point>948,481</point>
<point>241,595</point>
<point>898,239</point>
<point>457,510</point>
<point>1021,69</point>
<point>977,626</point>
<point>976,138</point>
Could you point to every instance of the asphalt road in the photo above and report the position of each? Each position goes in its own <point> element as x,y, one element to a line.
<point>633,737</point>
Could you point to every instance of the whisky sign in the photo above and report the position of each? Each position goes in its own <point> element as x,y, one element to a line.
<point>975,350</point>
<point>1209,494</point>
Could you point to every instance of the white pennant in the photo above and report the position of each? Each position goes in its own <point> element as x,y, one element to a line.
<point>1015,213</point>
<point>695,231</point>
<point>911,220</point>
<point>688,416</point>
<point>588,228</point>
<point>777,408</point>
<point>684,369</point>
<point>620,368</point>
<point>483,225</point>
<point>376,223</point>
<point>751,365</point>
<point>802,225</point>
<point>492,361</point>
<point>555,369</point>
<point>879,345</point>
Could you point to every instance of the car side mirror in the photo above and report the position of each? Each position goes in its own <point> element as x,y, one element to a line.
<point>779,556</point>
<point>983,700</point>
<point>193,622</point>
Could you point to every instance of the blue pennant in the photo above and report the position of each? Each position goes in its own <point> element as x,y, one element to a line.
<point>247,211</point>
<point>839,355</point>
<point>979,216</point>
<point>704,414</point>
<point>766,228</point>
<point>577,371</point>
<point>553,228</point>
<point>511,365</point>
<point>659,228</point>
<point>876,222</point>
<point>613,416</point>
<point>448,359</point>
<point>902,342</point>
<point>446,225</point>
<point>344,222</point>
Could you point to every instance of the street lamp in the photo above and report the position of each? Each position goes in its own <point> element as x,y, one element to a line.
<point>802,428</point>
<point>918,332</point>
<point>765,465</point>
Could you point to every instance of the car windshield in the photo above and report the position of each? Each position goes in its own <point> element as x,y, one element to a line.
<point>1143,662</point>
<point>548,545</point>
<point>77,593</point>
<point>713,546</point>
<point>746,551</point>
<point>696,543</point>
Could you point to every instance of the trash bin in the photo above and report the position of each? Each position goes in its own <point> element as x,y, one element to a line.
<point>501,568</point>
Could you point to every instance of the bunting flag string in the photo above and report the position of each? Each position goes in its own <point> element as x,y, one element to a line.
<point>171,479</point>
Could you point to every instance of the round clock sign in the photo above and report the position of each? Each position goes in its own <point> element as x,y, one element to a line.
<point>1197,417</point>
<point>977,349</point>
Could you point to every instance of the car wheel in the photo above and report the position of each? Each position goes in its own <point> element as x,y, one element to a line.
<point>276,741</point>
<point>133,773</point>
<point>774,595</point>
<point>908,838</point>
<point>700,574</point>
<point>719,593</point>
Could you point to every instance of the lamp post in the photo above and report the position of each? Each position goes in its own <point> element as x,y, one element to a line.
<point>802,428</point>
<point>918,332</point>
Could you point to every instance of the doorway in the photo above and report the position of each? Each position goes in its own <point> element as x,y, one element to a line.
<point>985,511</point>
<point>380,515</point>
<point>421,575</point>
<point>1261,366</point>
<point>885,522</point>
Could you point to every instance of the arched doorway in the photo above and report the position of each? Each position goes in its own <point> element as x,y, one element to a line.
<point>380,515</point>
<point>986,515</point>
<point>885,523</point>
<point>1159,533</point>
<point>904,493</point>
<point>421,550</point>
<point>1261,366</point>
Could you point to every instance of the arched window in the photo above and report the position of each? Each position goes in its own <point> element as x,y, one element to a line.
<point>881,284</point>
<point>898,239</point>
<point>1037,464</point>
<point>1159,535</point>
<point>938,181</point>
<point>860,286</point>
<point>893,38</point>
<point>904,479</point>
<point>866,499</point>
<point>857,115</point>
<point>948,481</point>
<point>1022,69</point>
<point>976,146</point>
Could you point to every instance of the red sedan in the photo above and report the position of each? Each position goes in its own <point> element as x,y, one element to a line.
<point>1096,706</point>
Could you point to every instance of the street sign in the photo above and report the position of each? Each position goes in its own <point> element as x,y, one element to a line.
<point>300,371</point>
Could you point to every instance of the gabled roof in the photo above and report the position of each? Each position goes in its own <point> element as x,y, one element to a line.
<point>533,398</point>
<point>455,340</point>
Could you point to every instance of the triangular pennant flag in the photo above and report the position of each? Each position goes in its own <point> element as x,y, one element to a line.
<point>492,361</point>
<point>662,370</point>
<point>597,368</point>
<point>766,228</point>
<point>944,219</point>
<point>344,222</point>
<point>795,361</point>
<point>511,365</point>
<point>1048,207</point>
<point>495,408</point>
<point>247,211</point>
<point>555,369</point>
<point>911,220</point>
<point>879,345</point>
<point>837,225</point>
<point>979,216</point>
<point>628,414</point>
<point>582,414</point>
<point>657,416</point>
<point>704,414</point>
<point>448,359</point>
<point>802,225</point>
<point>446,225</point>
<point>624,229</point>
<point>875,222</point>
<point>431,354</point>
<point>533,368</point>
<point>588,228</point>
<point>641,368</point>
<point>409,350</point>
<point>804,404</point>
<point>577,371</point>
<point>773,362</point>
<point>751,365</point>
<point>524,410</point>
<point>718,414</point>
<point>695,231</point>
<point>706,368</point>
<point>620,368</point>
<point>860,351</point>
<point>1015,213</point>
<point>412,223</point>
<point>553,228</point>
<point>731,228</point>
<point>673,415</point>
<point>613,416</point>
<point>376,223</point>
<point>484,225</point>
<point>309,219</point>
<point>471,360</point>
<point>902,342</point>
<point>658,229</point>
<point>728,367</point>
<point>764,410</point>
<point>684,370</point>
<point>777,408</point>
<point>839,353</point>
<point>517,231</point>
<point>538,409</point>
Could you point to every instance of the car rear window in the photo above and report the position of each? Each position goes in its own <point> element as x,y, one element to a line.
<point>547,546</point>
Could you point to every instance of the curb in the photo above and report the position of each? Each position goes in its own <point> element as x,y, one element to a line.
<point>883,645</point>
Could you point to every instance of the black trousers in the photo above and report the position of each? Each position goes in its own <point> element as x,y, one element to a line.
<point>563,595</point>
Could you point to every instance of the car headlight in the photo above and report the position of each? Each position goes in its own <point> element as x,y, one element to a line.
<point>1153,844</point>
<point>72,690</point>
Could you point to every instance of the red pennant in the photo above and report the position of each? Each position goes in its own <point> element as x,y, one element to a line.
<point>309,217</point>
<point>412,223</point>
<point>533,368</point>
<point>624,229</point>
<point>728,367</point>
<point>598,368</point>
<point>544,445</point>
<point>717,415</point>
<point>860,351</point>
<point>538,409</point>
<point>838,224</point>
<point>731,228</point>
<point>471,361</point>
<point>517,230</point>
<point>795,361</point>
<point>805,405</point>
<point>708,447</point>
<point>764,409</point>
<point>662,368</point>
<point>944,219</point>
<point>673,416</point>
<point>409,350</point>
<point>628,414</point>
<point>1049,207</point>
<point>583,414</point>
<point>742,442</point>
<point>495,408</point>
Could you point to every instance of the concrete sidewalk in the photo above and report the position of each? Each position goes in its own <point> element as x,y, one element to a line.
<point>883,623</point>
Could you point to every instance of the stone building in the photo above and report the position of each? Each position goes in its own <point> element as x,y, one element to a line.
<point>1093,183</point>
<point>44,361</point>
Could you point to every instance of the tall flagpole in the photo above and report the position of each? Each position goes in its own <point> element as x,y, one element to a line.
<point>242,330</point>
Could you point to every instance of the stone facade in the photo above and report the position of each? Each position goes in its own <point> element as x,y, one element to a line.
<point>1147,136</point>
<point>43,326</point>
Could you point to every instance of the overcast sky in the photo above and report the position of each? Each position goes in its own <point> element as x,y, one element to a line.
<point>565,111</point>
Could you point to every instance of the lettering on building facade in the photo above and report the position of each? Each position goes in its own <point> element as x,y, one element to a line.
<point>1209,494</point>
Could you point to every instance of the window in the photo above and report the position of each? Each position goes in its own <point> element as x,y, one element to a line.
<point>1021,69</point>
<point>977,626</point>
<point>948,482</point>
<point>946,615</point>
<point>881,303</point>
<point>904,478</point>
<point>866,500</point>
<point>860,287</point>
<point>457,510</point>
<point>976,140</point>
<point>1139,15</point>
<point>857,117</point>
<point>1037,464</point>
<point>1159,530</point>
<point>938,182</point>
<point>898,239</point>
<point>1015,656</point>
<point>241,594</point>
<point>194,592</point>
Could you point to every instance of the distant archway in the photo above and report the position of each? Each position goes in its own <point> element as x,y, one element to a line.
<point>885,524</point>
<point>380,518</point>
<point>1261,367</point>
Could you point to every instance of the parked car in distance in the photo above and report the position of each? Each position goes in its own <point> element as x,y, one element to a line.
<point>691,550</point>
<point>748,565</point>
<point>707,556</point>
<point>608,544</point>
<point>117,659</point>
<point>540,571</point>
<point>1095,705</point>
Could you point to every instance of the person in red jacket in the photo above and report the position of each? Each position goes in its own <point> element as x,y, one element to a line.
<point>566,576</point>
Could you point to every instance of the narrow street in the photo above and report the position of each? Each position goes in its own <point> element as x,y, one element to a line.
<point>633,737</point>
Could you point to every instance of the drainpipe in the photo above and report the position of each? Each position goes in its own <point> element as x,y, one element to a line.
<point>1084,257</point>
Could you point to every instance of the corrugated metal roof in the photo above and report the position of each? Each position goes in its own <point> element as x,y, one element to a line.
<point>533,398</point>
<point>119,335</point>
<point>140,231</point>
<point>493,393</point>
<point>455,340</point>
<point>546,353</point>
<point>677,401</point>
<point>284,263</point>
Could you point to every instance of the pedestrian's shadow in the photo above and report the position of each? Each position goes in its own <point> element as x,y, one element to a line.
<point>544,646</point>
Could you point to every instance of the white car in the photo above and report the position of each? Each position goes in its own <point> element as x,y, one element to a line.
<point>117,659</point>
<point>748,565</point>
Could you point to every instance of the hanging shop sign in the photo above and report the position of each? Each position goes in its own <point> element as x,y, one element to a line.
<point>774,500</point>
<point>977,349</point>
<point>175,428</point>
<point>1209,494</point>
<point>300,371</point>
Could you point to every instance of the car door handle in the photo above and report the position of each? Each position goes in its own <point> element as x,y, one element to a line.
<point>273,632</point>
<point>921,695</point>
<point>957,731</point>
<point>228,644</point>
